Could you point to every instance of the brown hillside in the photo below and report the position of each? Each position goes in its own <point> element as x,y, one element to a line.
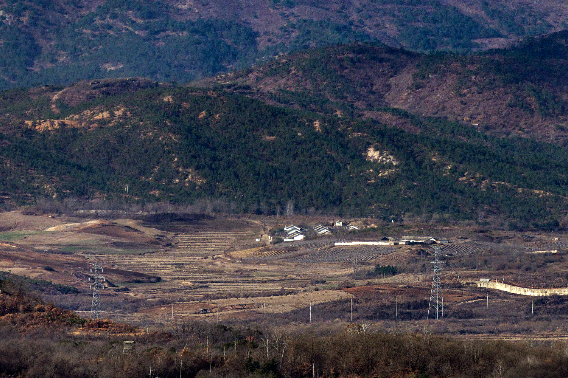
<point>476,90</point>
<point>381,19</point>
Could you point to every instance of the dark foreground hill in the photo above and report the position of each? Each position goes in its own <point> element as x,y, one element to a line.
<point>38,340</point>
<point>134,141</point>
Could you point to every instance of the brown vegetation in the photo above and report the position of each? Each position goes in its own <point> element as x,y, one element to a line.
<point>228,329</point>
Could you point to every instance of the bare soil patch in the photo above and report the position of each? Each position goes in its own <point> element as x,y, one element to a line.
<point>16,221</point>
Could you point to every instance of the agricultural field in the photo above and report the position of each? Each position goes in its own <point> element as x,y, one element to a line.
<point>167,270</point>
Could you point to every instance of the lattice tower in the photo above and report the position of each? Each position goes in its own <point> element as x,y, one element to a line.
<point>96,284</point>
<point>436,295</point>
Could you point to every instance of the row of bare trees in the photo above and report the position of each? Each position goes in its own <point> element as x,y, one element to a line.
<point>207,350</point>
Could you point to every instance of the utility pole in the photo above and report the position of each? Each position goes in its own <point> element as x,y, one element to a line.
<point>396,308</point>
<point>355,265</point>
<point>436,296</point>
<point>310,312</point>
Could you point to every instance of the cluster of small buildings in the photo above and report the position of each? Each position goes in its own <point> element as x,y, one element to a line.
<point>293,233</point>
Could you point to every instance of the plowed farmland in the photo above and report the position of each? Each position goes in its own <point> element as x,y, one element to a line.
<point>215,268</point>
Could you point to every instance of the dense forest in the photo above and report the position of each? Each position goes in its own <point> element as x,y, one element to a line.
<point>61,42</point>
<point>151,143</point>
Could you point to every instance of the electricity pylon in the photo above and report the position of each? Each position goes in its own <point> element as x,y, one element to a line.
<point>436,295</point>
<point>96,284</point>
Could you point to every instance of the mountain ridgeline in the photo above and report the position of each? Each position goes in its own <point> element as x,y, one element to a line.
<point>520,91</point>
<point>61,42</point>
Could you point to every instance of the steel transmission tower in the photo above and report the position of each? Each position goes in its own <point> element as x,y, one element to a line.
<point>436,296</point>
<point>96,284</point>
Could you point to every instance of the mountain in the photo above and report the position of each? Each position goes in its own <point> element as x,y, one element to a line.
<point>61,42</point>
<point>361,129</point>
<point>132,142</point>
<point>519,91</point>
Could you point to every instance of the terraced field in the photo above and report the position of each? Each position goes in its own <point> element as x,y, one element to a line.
<point>199,266</point>
<point>466,248</point>
<point>211,242</point>
<point>213,267</point>
<point>343,254</point>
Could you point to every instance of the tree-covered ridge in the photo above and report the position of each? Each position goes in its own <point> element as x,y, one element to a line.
<point>516,91</point>
<point>176,144</point>
<point>61,42</point>
<point>118,39</point>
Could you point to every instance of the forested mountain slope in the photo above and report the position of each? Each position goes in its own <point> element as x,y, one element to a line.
<point>520,91</point>
<point>61,42</point>
<point>135,141</point>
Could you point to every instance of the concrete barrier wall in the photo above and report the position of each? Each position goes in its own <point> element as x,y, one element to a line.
<point>365,243</point>
<point>522,290</point>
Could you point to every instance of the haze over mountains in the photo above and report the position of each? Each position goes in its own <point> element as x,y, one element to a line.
<point>358,129</point>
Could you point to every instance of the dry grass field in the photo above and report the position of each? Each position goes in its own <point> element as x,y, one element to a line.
<point>164,271</point>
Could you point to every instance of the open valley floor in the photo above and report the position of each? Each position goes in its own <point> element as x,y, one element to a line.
<point>173,269</point>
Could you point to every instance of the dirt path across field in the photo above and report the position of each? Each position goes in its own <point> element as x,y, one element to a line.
<point>258,305</point>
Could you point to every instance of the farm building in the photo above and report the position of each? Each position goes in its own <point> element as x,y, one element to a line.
<point>293,233</point>
<point>321,230</point>
<point>417,240</point>
<point>291,228</point>
<point>297,237</point>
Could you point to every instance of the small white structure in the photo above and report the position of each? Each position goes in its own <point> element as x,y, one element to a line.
<point>417,240</point>
<point>321,230</point>
<point>127,346</point>
<point>293,233</point>
<point>291,228</point>
<point>295,238</point>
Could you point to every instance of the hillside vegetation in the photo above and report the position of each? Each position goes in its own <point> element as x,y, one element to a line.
<point>134,141</point>
<point>359,129</point>
<point>40,340</point>
<point>519,91</point>
<point>61,42</point>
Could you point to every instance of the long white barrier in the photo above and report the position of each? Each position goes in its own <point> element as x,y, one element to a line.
<point>522,290</point>
<point>365,243</point>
